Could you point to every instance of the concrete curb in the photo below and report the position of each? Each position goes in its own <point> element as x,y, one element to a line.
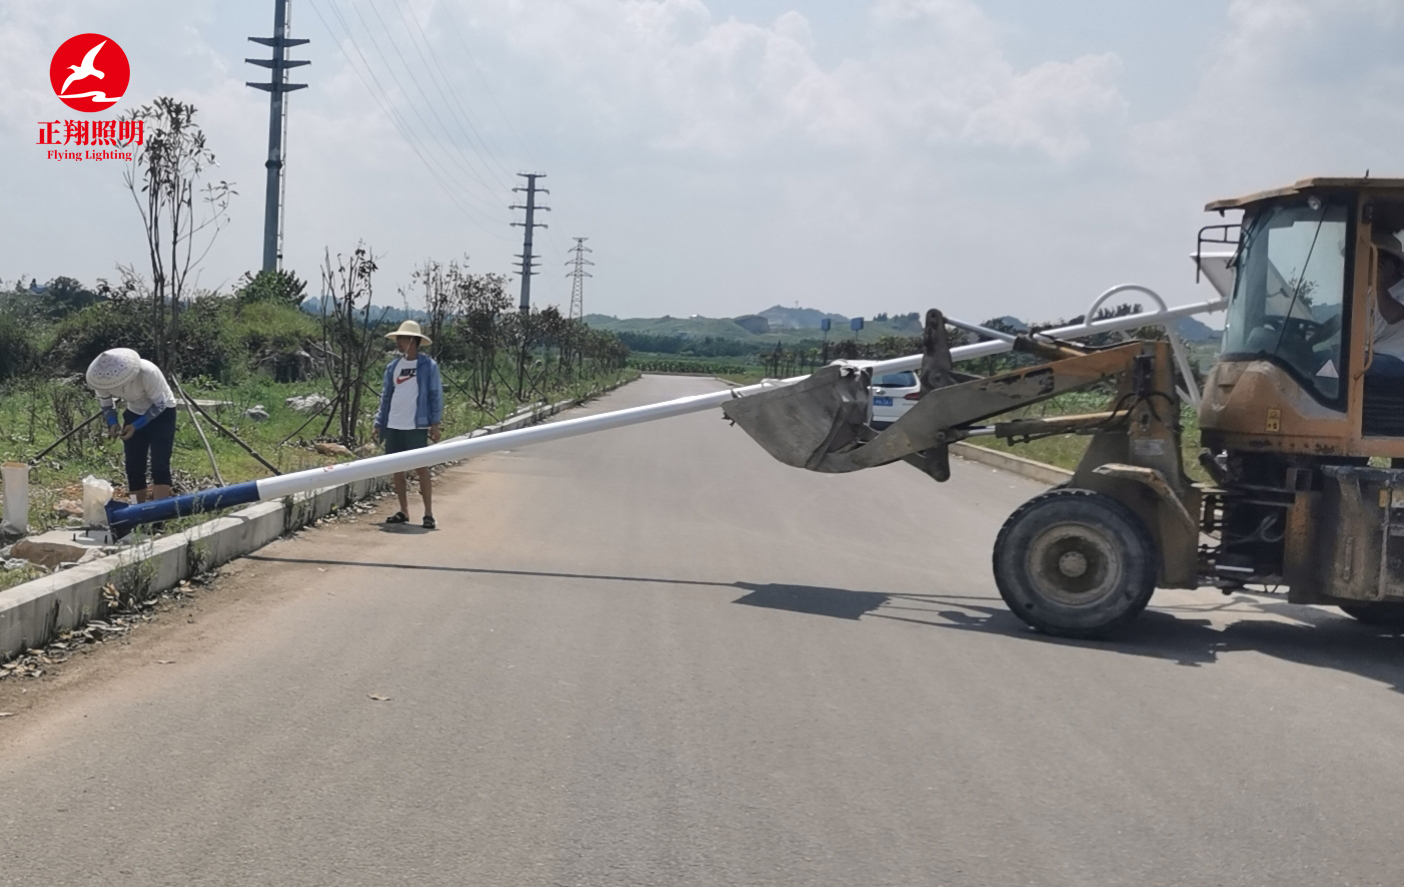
<point>35,612</point>
<point>1039,471</point>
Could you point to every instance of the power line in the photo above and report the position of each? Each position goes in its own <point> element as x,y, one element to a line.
<point>436,170</point>
<point>467,164</point>
<point>474,129</point>
<point>350,37</point>
<point>468,54</point>
<point>471,57</point>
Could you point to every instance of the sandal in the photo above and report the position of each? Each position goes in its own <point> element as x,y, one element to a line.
<point>429,522</point>
<point>398,517</point>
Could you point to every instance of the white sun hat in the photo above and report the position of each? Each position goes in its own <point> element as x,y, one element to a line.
<point>113,369</point>
<point>410,328</point>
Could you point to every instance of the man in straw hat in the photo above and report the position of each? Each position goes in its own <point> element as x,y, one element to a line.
<point>1389,301</point>
<point>148,424</point>
<point>411,408</point>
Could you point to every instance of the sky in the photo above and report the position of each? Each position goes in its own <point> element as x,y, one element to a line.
<point>986,157</point>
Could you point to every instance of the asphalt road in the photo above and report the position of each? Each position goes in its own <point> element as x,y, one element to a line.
<point>653,656</point>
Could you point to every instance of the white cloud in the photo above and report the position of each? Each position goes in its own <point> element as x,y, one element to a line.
<point>1051,107</point>
<point>934,72</point>
<point>1293,88</point>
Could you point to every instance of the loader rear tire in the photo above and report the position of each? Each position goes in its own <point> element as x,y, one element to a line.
<point>1383,614</point>
<point>1075,563</point>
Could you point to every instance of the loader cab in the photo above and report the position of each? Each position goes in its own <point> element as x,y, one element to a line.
<point>1298,370</point>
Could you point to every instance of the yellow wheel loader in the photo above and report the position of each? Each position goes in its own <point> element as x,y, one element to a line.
<point>1308,389</point>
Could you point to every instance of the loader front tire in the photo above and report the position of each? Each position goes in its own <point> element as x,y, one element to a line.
<point>1075,563</point>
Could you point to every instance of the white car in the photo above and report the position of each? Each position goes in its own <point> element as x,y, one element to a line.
<point>893,394</point>
<point>890,394</point>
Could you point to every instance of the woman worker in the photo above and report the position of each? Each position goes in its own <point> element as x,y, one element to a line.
<point>148,424</point>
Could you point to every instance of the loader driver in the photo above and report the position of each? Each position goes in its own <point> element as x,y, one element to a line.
<point>1389,303</point>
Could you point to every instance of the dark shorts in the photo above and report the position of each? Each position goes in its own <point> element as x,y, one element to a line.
<point>155,441</point>
<point>397,440</point>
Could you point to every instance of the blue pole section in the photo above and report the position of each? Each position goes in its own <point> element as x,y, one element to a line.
<point>122,518</point>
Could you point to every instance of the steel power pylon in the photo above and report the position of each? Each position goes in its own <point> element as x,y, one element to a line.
<point>277,116</point>
<point>528,267</point>
<point>578,275</point>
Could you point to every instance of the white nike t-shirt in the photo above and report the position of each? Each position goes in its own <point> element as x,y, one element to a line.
<point>405,396</point>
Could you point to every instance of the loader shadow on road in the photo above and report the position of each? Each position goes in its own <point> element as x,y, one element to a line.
<point>1317,637</point>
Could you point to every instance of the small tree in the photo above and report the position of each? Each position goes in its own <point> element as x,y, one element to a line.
<point>349,333</point>
<point>276,287</point>
<point>484,298</point>
<point>164,180</point>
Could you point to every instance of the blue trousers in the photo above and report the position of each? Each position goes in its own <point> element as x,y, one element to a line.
<point>155,440</point>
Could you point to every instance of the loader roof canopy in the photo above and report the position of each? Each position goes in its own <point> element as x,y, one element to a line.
<point>1313,184</point>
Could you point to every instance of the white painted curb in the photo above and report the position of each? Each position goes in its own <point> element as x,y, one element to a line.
<point>1039,471</point>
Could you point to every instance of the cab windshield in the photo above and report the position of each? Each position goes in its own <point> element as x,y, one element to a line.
<point>1289,289</point>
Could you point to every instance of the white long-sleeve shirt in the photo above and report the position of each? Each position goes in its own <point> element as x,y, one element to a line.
<point>142,394</point>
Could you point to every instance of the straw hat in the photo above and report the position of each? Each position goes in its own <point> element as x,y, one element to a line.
<point>113,369</point>
<point>410,328</point>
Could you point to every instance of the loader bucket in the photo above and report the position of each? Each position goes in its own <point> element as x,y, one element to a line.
<point>801,424</point>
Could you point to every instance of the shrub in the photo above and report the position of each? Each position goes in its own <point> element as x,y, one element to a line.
<point>87,333</point>
<point>260,327</point>
<point>18,351</point>
<point>205,346</point>
<point>271,287</point>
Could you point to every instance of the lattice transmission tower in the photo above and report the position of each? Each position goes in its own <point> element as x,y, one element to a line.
<point>578,275</point>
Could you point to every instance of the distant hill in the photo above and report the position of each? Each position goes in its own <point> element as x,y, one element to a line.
<point>790,325</point>
<point>390,314</point>
<point>1010,323</point>
<point>782,318</point>
<point>686,327</point>
<point>1192,330</point>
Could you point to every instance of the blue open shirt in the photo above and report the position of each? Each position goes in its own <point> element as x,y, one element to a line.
<point>429,406</point>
